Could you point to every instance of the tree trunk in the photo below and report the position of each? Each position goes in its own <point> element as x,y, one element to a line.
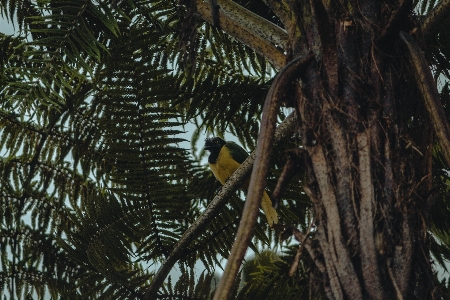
<point>369,113</point>
<point>369,140</point>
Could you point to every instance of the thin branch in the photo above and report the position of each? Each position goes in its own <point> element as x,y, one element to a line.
<point>264,37</point>
<point>258,178</point>
<point>295,164</point>
<point>430,94</point>
<point>232,184</point>
<point>435,18</point>
<point>302,238</point>
<point>394,282</point>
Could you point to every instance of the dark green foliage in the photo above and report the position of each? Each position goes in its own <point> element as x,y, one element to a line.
<point>95,185</point>
<point>267,277</point>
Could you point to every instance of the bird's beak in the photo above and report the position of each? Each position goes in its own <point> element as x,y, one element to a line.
<point>208,144</point>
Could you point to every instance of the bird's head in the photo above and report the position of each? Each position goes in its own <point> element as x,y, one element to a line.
<point>214,143</point>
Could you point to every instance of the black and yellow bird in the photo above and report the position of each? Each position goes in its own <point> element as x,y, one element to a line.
<point>224,160</point>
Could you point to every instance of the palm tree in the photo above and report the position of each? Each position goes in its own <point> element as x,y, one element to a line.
<point>96,187</point>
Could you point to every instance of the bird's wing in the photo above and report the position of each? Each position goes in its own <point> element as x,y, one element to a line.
<point>237,152</point>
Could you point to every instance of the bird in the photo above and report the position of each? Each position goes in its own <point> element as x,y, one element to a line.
<point>224,159</point>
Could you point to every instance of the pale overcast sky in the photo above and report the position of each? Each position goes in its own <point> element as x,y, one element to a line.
<point>5,27</point>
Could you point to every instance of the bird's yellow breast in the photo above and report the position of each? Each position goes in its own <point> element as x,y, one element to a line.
<point>225,165</point>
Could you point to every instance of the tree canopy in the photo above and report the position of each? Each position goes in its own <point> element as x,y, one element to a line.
<point>96,187</point>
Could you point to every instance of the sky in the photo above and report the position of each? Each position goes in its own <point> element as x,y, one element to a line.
<point>6,27</point>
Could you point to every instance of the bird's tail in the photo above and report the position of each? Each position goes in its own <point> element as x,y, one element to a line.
<point>269,211</point>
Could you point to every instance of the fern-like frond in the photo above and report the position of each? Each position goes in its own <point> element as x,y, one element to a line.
<point>187,287</point>
<point>61,162</point>
<point>66,41</point>
<point>267,277</point>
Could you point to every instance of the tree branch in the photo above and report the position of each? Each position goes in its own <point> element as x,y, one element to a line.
<point>258,178</point>
<point>430,94</point>
<point>282,9</point>
<point>435,17</point>
<point>288,14</point>
<point>232,184</point>
<point>264,37</point>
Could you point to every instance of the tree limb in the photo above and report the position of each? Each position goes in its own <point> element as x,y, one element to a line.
<point>264,37</point>
<point>282,9</point>
<point>435,17</point>
<point>232,184</point>
<point>430,94</point>
<point>258,178</point>
<point>287,12</point>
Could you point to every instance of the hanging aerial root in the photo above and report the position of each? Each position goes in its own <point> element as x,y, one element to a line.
<point>302,240</point>
<point>260,168</point>
<point>338,253</point>
<point>335,289</point>
<point>369,261</point>
<point>402,261</point>
<point>394,283</point>
<point>342,165</point>
<point>430,94</point>
<point>294,164</point>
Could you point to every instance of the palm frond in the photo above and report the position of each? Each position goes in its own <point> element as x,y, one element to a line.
<point>67,39</point>
<point>267,277</point>
<point>187,287</point>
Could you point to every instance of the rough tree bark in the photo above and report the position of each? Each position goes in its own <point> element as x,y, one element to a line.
<point>367,116</point>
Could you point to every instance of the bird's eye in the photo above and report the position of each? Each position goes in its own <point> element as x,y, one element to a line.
<point>216,142</point>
